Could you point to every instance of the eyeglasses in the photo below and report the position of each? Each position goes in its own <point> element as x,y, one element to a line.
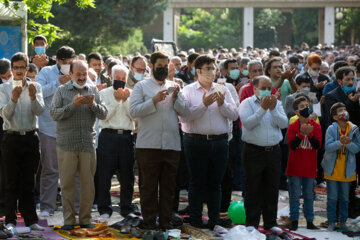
<point>140,70</point>
<point>19,68</point>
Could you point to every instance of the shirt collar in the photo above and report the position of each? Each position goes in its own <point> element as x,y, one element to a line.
<point>198,85</point>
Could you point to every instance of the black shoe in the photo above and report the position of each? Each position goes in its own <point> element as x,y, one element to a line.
<point>272,236</point>
<point>5,230</point>
<point>159,235</point>
<point>184,211</point>
<point>294,225</point>
<point>149,235</point>
<point>91,226</point>
<point>176,220</point>
<point>285,236</point>
<point>67,227</point>
<point>310,225</point>
<point>226,223</point>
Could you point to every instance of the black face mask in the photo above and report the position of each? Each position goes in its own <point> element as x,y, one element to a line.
<point>161,74</point>
<point>118,84</point>
<point>305,112</point>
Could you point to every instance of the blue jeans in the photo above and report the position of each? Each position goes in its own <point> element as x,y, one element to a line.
<point>307,186</point>
<point>337,190</point>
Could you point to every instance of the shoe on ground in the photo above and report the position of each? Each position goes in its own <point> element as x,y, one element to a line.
<point>104,217</point>
<point>176,220</point>
<point>159,235</point>
<point>91,226</point>
<point>36,227</point>
<point>4,232</point>
<point>294,225</point>
<point>331,227</point>
<point>67,227</point>
<point>322,185</point>
<point>44,213</point>
<point>310,225</point>
<point>344,227</point>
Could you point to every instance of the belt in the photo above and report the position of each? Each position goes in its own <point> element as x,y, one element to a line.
<point>22,133</point>
<point>116,131</point>
<point>265,149</point>
<point>207,137</point>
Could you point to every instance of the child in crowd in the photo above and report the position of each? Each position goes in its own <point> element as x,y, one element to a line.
<point>304,138</point>
<point>342,142</point>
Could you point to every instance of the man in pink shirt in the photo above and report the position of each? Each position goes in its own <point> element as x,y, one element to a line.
<point>206,140</point>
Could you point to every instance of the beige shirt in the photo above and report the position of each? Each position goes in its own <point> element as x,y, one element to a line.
<point>118,112</point>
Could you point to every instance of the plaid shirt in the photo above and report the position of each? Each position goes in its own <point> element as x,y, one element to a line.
<point>75,125</point>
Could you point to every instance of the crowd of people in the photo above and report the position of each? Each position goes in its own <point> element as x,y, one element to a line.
<point>254,120</point>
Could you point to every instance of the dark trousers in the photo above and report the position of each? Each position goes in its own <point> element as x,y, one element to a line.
<point>236,151</point>
<point>115,153</point>
<point>158,171</point>
<point>262,173</point>
<point>227,182</point>
<point>21,157</point>
<point>207,161</point>
<point>284,159</point>
<point>182,181</point>
<point>2,186</point>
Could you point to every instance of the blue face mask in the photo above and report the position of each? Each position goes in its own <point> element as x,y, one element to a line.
<point>348,89</point>
<point>139,76</point>
<point>234,74</point>
<point>40,50</point>
<point>264,93</point>
<point>300,66</point>
<point>77,85</point>
<point>193,71</point>
<point>245,73</point>
<point>177,71</point>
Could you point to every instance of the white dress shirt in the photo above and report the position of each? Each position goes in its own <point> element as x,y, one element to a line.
<point>23,115</point>
<point>118,116</point>
<point>211,120</point>
<point>261,127</point>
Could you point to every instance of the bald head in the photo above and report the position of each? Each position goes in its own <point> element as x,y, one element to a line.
<point>79,72</point>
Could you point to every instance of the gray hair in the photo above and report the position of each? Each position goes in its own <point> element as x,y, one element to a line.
<point>92,71</point>
<point>254,62</point>
<point>258,78</point>
<point>119,68</point>
<point>324,65</point>
<point>175,57</point>
<point>221,64</point>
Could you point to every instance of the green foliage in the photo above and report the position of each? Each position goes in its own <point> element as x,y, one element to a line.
<point>40,15</point>
<point>305,26</point>
<point>110,24</point>
<point>266,20</point>
<point>215,27</point>
<point>201,28</point>
<point>349,26</point>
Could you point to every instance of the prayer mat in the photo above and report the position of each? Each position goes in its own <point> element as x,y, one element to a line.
<point>292,235</point>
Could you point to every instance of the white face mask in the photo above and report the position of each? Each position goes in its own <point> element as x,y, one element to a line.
<point>313,73</point>
<point>65,69</point>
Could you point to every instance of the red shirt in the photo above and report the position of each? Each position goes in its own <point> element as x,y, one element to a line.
<point>302,161</point>
<point>248,90</point>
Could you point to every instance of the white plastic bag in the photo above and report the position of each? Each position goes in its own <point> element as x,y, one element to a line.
<point>240,232</point>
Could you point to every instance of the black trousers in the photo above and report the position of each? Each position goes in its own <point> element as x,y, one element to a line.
<point>262,179</point>
<point>2,187</point>
<point>115,153</point>
<point>21,156</point>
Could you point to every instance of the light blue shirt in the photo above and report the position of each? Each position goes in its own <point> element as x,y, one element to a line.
<point>261,127</point>
<point>48,78</point>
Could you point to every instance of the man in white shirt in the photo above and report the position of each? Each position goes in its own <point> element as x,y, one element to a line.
<point>205,139</point>
<point>262,117</point>
<point>116,145</point>
<point>20,105</point>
